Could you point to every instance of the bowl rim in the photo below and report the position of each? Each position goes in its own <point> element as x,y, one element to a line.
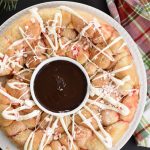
<point>133,50</point>
<point>50,60</point>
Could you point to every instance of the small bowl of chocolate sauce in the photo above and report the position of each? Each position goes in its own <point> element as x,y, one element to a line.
<point>60,86</point>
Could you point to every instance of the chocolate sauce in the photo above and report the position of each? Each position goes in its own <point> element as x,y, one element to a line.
<point>60,86</point>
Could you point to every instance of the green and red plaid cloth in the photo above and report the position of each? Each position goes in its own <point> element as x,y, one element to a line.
<point>134,16</point>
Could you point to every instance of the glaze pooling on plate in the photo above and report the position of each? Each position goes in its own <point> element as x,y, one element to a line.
<point>104,54</point>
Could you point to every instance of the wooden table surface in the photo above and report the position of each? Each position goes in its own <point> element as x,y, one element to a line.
<point>100,4</point>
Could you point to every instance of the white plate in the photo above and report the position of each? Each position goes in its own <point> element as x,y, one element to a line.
<point>5,143</point>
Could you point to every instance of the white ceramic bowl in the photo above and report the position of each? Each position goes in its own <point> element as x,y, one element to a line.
<point>5,143</point>
<point>47,61</point>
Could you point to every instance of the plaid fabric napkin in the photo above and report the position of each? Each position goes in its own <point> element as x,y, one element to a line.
<point>134,16</point>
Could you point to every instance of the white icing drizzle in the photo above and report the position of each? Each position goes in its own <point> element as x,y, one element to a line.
<point>124,110</point>
<point>54,47</point>
<point>15,43</point>
<point>101,52</point>
<point>14,113</point>
<point>48,133</point>
<point>52,31</point>
<point>82,33</point>
<point>105,106</point>
<point>67,132</point>
<point>97,26</point>
<point>111,75</point>
<point>11,98</point>
<point>72,12</point>
<point>17,117</point>
<point>118,82</point>
<point>32,60</point>
<point>7,63</point>
<point>17,85</point>
<point>29,143</point>
<point>25,93</point>
<point>108,46</point>
<point>18,74</point>
<point>106,141</point>
<point>122,69</point>
<point>35,14</point>
<point>26,39</point>
<point>123,44</point>
<point>4,63</point>
<point>41,47</point>
<point>123,81</point>
<point>62,46</point>
<point>56,20</point>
